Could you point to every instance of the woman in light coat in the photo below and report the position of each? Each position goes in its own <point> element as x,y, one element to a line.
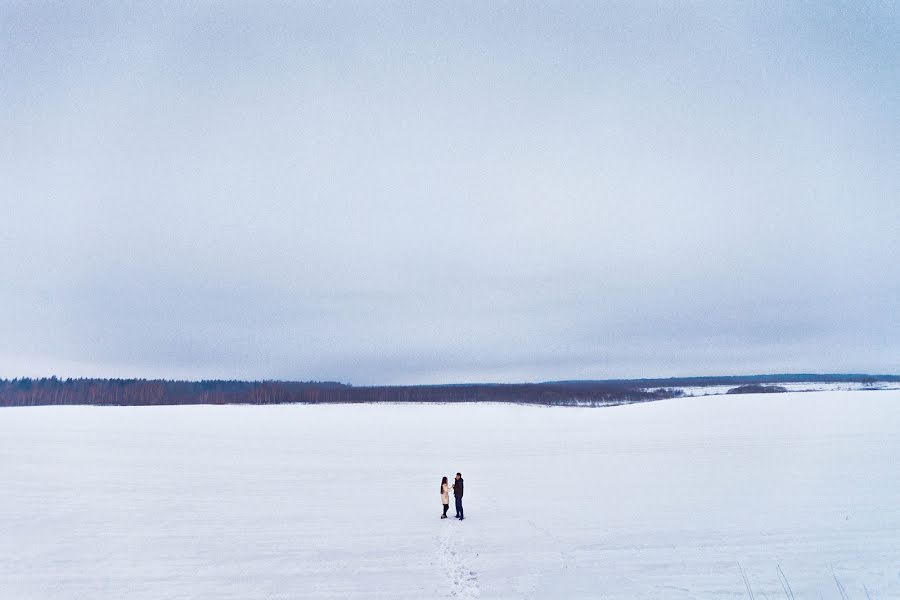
<point>445,496</point>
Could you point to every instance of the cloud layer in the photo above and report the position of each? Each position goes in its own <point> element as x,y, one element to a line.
<point>399,194</point>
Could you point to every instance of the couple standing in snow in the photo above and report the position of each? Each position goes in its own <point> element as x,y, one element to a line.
<point>457,493</point>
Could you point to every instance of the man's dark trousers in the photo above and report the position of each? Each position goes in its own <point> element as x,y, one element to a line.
<point>459,508</point>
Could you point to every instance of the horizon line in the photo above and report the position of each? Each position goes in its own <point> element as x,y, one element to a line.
<point>684,379</point>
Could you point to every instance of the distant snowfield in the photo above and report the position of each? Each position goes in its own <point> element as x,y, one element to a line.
<point>670,499</point>
<point>800,386</point>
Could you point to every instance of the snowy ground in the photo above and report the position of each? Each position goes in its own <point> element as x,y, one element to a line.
<point>670,499</point>
<point>800,386</point>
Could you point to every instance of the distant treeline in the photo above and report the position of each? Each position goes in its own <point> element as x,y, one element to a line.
<point>143,392</point>
<point>151,392</point>
<point>744,380</point>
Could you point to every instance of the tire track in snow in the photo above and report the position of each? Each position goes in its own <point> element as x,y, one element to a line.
<point>462,580</point>
<point>550,577</point>
<point>565,556</point>
<point>549,583</point>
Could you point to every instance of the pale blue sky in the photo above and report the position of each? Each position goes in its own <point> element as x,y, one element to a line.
<point>400,193</point>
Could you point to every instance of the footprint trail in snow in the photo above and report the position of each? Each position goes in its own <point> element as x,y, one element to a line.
<point>456,561</point>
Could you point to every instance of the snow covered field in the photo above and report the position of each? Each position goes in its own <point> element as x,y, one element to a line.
<point>671,499</point>
<point>800,386</point>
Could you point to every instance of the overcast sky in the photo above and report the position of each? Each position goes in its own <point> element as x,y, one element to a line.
<point>404,193</point>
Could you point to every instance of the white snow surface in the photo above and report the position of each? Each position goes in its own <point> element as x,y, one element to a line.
<point>799,386</point>
<point>670,499</point>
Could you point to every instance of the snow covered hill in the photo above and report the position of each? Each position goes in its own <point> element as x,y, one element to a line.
<point>782,495</point>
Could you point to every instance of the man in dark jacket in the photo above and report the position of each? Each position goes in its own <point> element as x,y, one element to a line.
<point>458,493</point>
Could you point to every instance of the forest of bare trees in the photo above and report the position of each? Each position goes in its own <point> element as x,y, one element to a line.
<point>144,392</point>
<point>148,392</point>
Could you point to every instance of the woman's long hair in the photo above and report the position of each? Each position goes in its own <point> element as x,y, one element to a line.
<point>443,481</point>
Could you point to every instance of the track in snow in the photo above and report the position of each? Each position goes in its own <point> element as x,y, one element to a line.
<point>456,561</point>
